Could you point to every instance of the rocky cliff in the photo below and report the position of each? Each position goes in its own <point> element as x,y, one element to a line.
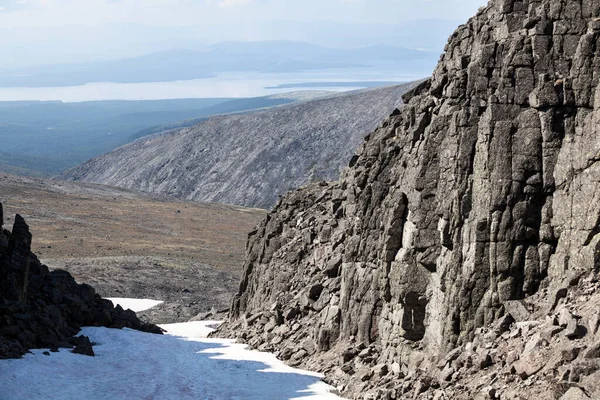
<point>248,159</point>
<point>457,255</point>
<point>43,309</point>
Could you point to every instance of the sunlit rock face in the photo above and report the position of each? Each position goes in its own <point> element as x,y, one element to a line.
<point>482,190</point>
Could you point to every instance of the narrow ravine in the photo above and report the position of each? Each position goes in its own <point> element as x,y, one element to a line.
<point>182,364</point>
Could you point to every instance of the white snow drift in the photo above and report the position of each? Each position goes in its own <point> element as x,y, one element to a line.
<point>179,365</point>
<point>136,305</point>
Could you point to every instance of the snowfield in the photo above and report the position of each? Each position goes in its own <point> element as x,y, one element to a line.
<point>182,364</point>
<point>135,305</point>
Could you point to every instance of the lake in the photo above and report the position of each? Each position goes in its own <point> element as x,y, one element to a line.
<point>223,85</point>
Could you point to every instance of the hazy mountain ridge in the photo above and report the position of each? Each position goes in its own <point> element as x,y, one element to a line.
<point>108,42</point>
<point>185,64</point>
<point>248,159</point>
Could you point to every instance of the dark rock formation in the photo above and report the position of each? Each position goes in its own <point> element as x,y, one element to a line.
<point>83,345</point>
<point>482,191</point>
<point>43,309</point>
<point>249,159</point>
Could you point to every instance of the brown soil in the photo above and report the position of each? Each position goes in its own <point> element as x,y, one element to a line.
<point>129,244</point>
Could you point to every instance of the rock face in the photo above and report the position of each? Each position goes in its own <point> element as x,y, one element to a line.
<point>42,309</point>
<point>250,159</point>
<point>481,193</point>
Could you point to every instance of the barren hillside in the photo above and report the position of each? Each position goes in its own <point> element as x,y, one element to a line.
<point>130,244</point>
<point>250,159</point>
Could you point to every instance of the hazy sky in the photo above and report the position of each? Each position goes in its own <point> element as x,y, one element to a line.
<point>41,13</point>
<point>40,32</point>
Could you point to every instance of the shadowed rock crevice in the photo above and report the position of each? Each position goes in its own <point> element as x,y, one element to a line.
<point>413,318</point>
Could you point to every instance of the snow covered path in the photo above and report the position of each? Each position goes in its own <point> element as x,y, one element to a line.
<point>137,365</point>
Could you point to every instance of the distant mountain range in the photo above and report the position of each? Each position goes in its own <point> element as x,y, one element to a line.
<point>248,159</point>
<point>38,45</point>
<point>185,64</point>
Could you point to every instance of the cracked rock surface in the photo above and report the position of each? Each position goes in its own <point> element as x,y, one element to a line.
<point>481,194</point>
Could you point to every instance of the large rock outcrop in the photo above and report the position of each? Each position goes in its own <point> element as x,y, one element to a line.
<point>248,159</point>
<point>478,202</point>
<point>43,309</point>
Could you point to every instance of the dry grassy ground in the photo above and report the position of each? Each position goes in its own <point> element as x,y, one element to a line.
<point>131,244</point>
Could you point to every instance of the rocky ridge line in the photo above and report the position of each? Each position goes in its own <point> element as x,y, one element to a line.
<point>474,205</point>
<point>43,309</point>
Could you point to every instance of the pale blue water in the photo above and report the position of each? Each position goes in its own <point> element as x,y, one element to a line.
<point>224,85</point>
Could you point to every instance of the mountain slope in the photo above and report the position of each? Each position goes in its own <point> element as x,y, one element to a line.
<point>248,159</point>
<point>458,256</point>
<point>46,138</point>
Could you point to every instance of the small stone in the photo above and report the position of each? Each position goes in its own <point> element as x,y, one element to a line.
<point>573,331</point>
<point>292,313</point>
<point>594,323</point>
<point>306,302</point>
<point>534,344</point>
<point>528,366</point>
<point>252,319</point>
<point>593,351</point>
<point>286,353</point>
<point>548,333</point>
<point>83,346</point>
<point>485,360</point>
<point>348,355</point>
<point>517,310</point>
<point>565,317</point>
<point>347,368</point>
<point>364,353</point>
<point>575,393</point>
<point>299,355</point>
<point>366,376</point>
<point>380,370</point>
<point>276,340</point>
<point>504,323</point>
<point>570,354</point>
<point>447,373</point>
<point>309,346</point>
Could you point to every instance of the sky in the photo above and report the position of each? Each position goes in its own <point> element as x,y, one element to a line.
<point>41,13</point>
<point>41,32</point>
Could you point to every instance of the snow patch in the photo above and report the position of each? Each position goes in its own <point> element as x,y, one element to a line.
<point>179,365</point>
<point>135,305</point>
<point>191,330</point>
